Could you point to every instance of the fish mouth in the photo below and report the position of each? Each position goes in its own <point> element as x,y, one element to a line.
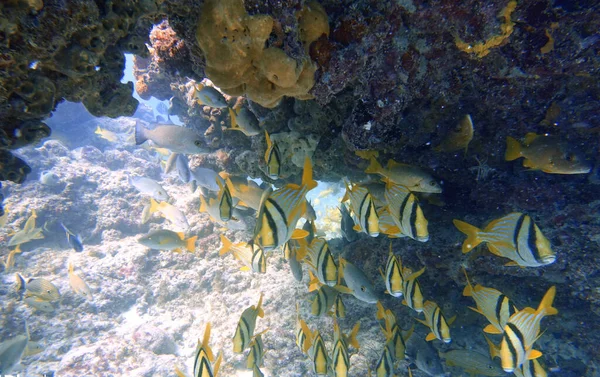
<point>423,239</point>
<point>549,259</point>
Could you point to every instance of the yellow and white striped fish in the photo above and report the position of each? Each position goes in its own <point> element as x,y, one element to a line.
<point>225,202</point>
<point>324,300</point>
<point>404,208</point>
<point>245,328</point>
<point>280,210</point>
<point>531,368</point>
<point>272,158</point>
<point>241,251</point>
<point>413,298</point>
<point>492,304</point>
<point>203,366</point>
<point>248,193</point>
<point>393,275</point>
<point>435,320</point>
<point>339,356</point>
<point>321,261</point>
<point>303,334</point>
<point>521,331</point>
<point>257,352</point>
<point>514,236</point>
<point>363,206</point>
<point>385,365</point>
<point>318,355</point>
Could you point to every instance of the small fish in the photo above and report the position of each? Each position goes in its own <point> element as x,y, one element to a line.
<point>40,288</point>
<point>245,121</point>
<point>413,298</point>
<point>39,304</point>
<point>272,158</point>
<point>393,275</point>
<point>20,285</point>
<point>78,285</point>
<point>521,331</point>
<point>73,239</point>
<point>347,224</point>
<point>514,236</point>
<point>209,96</point>
<point>9,263</point>
<point>459,138</point>
<point>303,333</point>
<point>412,177</point>
<point>203,366</point>
<point>361,203</point>
<point>294,259</point>
<point>435,320</point>
<point>339,356</point>
<point>242,251</point>
<point>340,308</point>
<point>248,193</point>
<point>492,304</point>
<point>206,178</point>
<point>175,138</point>
<point>404,209</point>
<point>245,328</point>
<point>318,355</point>
<point>355,279</point>
<point>325,298</point>
<point>146,214</point>
<point>164,239</point>
<point>150,187</point>
<point>424,356</point>
<point>531,368</point>
<point>170,212</point>
<point>385,365</point>
<point>106,134</point>
<point>225,202</point>
<point>28,233</point>
<point>11,352</point>
<point>257,352</point>
<point>49,178</point>
<point>183,170</point>
<point>472,362</point>
<point>367,154</point>
<point>280,210</point>
<point>549,154</point>
<point>321,261</point>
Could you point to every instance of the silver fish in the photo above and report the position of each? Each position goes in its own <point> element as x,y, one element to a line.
<point>11,351</point>
<point>424,356</point>
<point>209,96</point>
<point>148,186</point>
<point>355,279</point>
<point>182,165</point>
<point>347,224</point>
<point>206,178</point>
<point>175,138</point>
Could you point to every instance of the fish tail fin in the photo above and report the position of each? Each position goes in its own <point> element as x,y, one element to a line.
<point>307,175</point>
<point>98,130</point>
<point>140,134</point>
<point>205,340</point>
<point>494,349</point>
<point>226,245</point>
<point>259,309</point>
<point>546,304</point>
<point>153,206</point>
<point>468,291</point>
<point>374,166</point>
<point>190,244</point>
<point>217,365</point>
<point>352,336</point>
<point>233,116</point>
<point>203,205</point>
<point>472,233</point>
<point>513,149</point>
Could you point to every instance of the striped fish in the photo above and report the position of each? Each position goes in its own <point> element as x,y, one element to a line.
<point>203,366</point>
<point>259,260</point>
<point>280,211</point>
<point>404,208</point>
<point>387,225</point>
<point>339,356</point>
<point>303,334</point>
<point>361,203</point>
<point>40,288</point>
<point>413,298</point>
<point>514,236</point>
<point>318,355</point>
<point>392,331</point>
<point>256,372</point>
<point>393,275</point>
<point>245,328</point>
<point>324,300</point>
<point>492,304</point>
<point>385,365</point>
<point>531,368</point>
<point>225,202</point>
<point>435,320</point>
<point>521,331</point>
<point>243,252</point>
<point>340,308</point>
<point>257,352</point>
<point>321,261</point>
<point>272,158</point>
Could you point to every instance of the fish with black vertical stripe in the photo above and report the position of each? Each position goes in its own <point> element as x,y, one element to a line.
<point>403,206</point>
<point>436,321</point>
<point>363,206</point>
<point>245,328</point>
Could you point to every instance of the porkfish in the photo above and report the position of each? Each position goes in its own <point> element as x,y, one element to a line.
<point>404,209</point>
<point>203,361</point>
<point>245,328</point>
<point>363,206</point>
<point>435,320</point>
<point>492,304</point>
<point>514,236</point>
<point>393,275</point>
<point>280,210</point>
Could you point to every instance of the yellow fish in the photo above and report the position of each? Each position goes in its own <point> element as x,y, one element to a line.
<point>393,275</point>
<point>303,334</point>
<point>245,328</point>
<point>10,259</point>
<point>249,194</point>
<point>549,154</point>
<point>257,352</point>
<point>363,206</point>
<point>492,304</point>
<point>245,121</point>
<point>321,261</point>
<point>459,138</point>
<point>272,158</point>
<point>514,236</point>
<point>404,209</point>
<point>169,212</point>
<point>40,288</point>
<point>435,320</point>
<point>474,363</point>
<point>203,366</point>
<point>411,177</point>
<point>385,365</point>
<point>280,210</point>
<point>253,260</point>
<point>339,356</point>
<point>325,298</point>
<point>319,356</point>
<point>28,233</point>
<point>209,96</point>
<point>4,217</point>
<point>106,134</point>
<point>531,368</point>
<point>413,298</point>
<point>39,304</point>
<point>78,285</point>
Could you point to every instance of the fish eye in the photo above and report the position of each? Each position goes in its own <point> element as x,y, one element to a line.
<point>432,183</point>
<point>363,288</point>
<point>197,143</point>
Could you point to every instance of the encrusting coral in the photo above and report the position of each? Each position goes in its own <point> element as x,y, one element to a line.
<point>237,61</point>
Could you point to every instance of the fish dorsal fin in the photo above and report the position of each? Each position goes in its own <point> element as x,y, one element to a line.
<point>491,329</point>
<point>422,321</point>
<point>416,274</point>
<point>451,320</point>
<point>430,337</point>
<point>476,310</point>
<point>530,137</point>
<point>393,164</point>
<point>181,235</point>
<point>534,354</point>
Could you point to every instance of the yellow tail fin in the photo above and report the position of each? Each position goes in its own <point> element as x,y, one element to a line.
<point>494,349</point>
<point>226,245</point>
<point>190,244</point>
<point>513,149</point>
<point>546,304</point>
<point>307,175</point>
<point>203,205</point>
<point>204,343</point>
<point>472,233</point>
<point>153,206</point>
<point>352,336</point>
<point>374,166</point>
<point>468,291</point>
<point>259,308</point>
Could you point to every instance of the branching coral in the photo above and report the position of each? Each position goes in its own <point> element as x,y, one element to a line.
<point>237,61</point>
<point>483,48</point>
